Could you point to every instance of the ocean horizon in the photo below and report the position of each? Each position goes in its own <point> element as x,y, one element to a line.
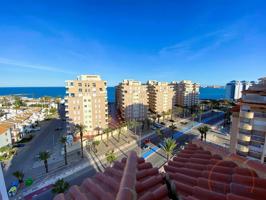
<point>37,92</point>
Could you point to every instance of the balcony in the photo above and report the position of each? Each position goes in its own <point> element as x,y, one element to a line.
<point>245,126</point>
<point>261,127</point>
<point>244,137</point>
<point>242,148</point>
<point>256,149</point>
<point>248,115</point>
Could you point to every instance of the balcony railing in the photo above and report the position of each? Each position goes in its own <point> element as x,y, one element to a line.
<point>245,126</point>
<point>242,148</point>
<point>244,137</point>
<point>248,115</point>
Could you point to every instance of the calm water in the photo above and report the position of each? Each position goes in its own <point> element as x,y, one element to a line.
<point>36,92</point>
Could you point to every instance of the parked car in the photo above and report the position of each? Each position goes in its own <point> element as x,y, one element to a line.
<point>59,129</point>
<point>19,145</point>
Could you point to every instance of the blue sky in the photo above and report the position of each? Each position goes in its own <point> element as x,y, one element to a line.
<point>44,43</point>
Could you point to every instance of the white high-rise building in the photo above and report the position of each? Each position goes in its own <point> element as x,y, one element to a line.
<point>233,90</point>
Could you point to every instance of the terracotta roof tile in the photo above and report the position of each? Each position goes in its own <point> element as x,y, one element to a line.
<point>198,172</point>
<point>213,178</point>
<point>128,179</point>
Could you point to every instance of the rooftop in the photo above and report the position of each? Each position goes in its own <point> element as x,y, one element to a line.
<point>201,171</point>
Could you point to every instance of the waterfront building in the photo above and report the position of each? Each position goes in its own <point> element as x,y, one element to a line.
<point>132,100</point>
<point>187,93</point>
<point>162,96</point>
<point>248,131</point>
<point>233,90</point>
<point>86,103</point>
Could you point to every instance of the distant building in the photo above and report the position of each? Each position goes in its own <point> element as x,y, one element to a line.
<point>162,96</point>
<point>5,134</point>
<point>132,100</point>
<point>233,90</point>
<point>86,103</point>
<point>187,93</point>
<point>248,130</point>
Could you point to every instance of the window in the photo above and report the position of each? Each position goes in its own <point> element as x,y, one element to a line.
<point>80,90</point>
<point>79,84</point>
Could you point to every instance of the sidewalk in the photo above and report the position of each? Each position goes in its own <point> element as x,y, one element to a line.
<point>91,160</point>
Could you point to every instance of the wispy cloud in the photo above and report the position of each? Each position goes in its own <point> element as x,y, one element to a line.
<point>200,45</point>
<point>5,61</point>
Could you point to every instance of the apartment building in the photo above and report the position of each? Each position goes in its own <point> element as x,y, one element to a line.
<point>233,89</point>
<point>187,93</point>
<point>132,100</point>
<point>86,103</point>
<point>248,131</point>
<point>162,96</point>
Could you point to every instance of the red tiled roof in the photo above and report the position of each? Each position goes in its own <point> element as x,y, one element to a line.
<point>127,179</point>
<point>199,172</point>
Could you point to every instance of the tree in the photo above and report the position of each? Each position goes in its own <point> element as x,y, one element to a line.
<point>158,118</point>
<point>163,115</point>
<point>193,117</point>
<point>60,186</point>
<point>80,128</point>
<point>133,124</point>
<point>159,133</point>
<point>63,140</point>
<point>107,131</point>
<point>94,144</point>
<point>110,157</point>
<point>203,132</point>
<point>19,175</point>
<point>44,156</point>
<point>168,147</point>
<point>170,112</point>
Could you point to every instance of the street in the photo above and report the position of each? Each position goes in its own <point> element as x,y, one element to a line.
<point>47,139</point>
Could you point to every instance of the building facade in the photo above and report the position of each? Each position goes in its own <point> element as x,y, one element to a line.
<point>187,93</point>
<point>233,90</point>
<point>5,134</point>
<point>132,100</point>
<point>162,96</point>
<point>86,103</point>
<point>248,131</point>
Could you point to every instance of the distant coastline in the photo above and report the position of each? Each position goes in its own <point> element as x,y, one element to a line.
<point>37,92</point>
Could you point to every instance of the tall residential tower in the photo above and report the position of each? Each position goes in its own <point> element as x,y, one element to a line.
<point>86,103</point>
<point>248,131</point>
<point>162,96</point>
<point>132,100</point>
<point>187,93</point>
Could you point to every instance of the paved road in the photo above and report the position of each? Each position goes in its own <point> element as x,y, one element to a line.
<point>45,139</point>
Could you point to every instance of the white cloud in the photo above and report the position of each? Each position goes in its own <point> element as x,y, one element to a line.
<point>5,61</point>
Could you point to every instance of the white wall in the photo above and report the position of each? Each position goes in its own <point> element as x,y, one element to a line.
<point>5,138</point>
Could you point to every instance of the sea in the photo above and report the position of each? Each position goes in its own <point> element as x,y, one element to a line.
<point>37,92</point>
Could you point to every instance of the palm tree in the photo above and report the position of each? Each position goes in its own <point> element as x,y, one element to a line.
<point>94,144</point>
<point>193,117</point>
<point>80,128</point>
<point>158,118</point>
<point>163,115</point>
<point>107,131</point>
<point>63,140</point>
<point>110,157</point>
<point>168,147</point>
<point>203,132</point>
<point>170,112</point>
<point>121,125</point>
<point>60,186</point>
<point>159,133</point>
<point>44,156</point>
<point>19,175</point>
